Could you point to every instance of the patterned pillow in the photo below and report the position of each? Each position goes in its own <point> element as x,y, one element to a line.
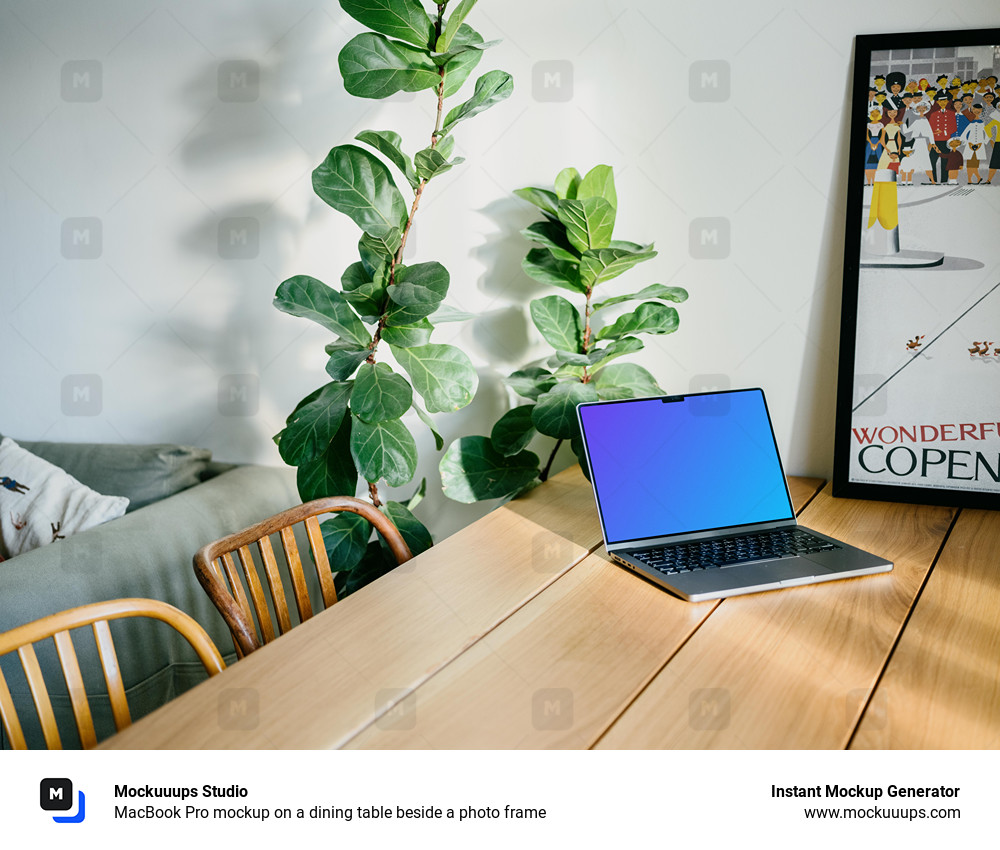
<point>40,503</point>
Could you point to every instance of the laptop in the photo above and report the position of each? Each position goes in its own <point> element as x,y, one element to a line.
<point>692,496</point>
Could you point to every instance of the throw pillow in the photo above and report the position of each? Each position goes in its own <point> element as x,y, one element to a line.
<point>143,474</point>
<point>40,503</point>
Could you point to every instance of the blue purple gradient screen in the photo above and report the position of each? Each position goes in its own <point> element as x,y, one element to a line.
<point>704,462</point>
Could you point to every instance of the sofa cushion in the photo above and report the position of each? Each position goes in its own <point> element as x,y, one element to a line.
<point>143,474</point>
<point>41,503</point>
<point>148,554</point>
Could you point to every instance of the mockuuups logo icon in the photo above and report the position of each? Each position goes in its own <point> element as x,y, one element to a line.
<point>56,795</point>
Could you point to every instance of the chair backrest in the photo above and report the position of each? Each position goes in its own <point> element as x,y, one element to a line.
<point>228,587</point>
<point>57,626</point>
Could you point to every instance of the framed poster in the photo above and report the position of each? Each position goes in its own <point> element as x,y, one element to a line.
<point>918,397</point>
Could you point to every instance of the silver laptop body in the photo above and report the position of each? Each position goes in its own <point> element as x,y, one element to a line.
<point>703,470</point>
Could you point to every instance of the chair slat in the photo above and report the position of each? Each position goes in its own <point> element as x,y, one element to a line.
<point>227,602</point>
<point>318,547</point>
<point>77,692</point>
<point>295,571</point>
<point>256,592</point>
<point>8,715</point>
<point>233,576</point>
<point>274,583</point>
<point>40,695</point>
<point>112,674</point>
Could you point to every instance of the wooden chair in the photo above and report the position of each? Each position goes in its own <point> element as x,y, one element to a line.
<point>217,572</point>
<point>57,626</point>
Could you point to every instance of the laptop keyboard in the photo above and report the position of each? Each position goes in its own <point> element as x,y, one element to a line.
<point>726,551</point>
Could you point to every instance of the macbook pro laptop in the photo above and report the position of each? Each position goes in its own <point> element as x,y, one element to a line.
<point>691,495</point>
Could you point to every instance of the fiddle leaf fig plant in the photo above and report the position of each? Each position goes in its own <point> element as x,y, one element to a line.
<point>575,252</point>
<point>352,428</point>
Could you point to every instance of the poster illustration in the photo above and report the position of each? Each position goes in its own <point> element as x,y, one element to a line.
<point>918,407</point>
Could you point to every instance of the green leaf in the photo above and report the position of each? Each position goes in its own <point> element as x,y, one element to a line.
<point>514,430</point>
<point>313,424</point>
<point>417,537</point>
<point>472,469</point>
<point>546,201</point>
<point>345,537</point>
<point>373,565</point>
<point>563,358</point>
<point>447,313</point>
<point>365,295</point>
<point>545,268</point>
<point>531,382</point>
<point>308,298</point>
<point>458,68</point>
<point>625,380</point>
<point>345,357</point>
<point>446,146</point>
<point>380,394</point>
<point>558,322</point>
<point>602,357</point>
<point>404,19</point>
<point>567,183</point>
<point>555,412</point>
<point>418,495</point>
<point>424,417</point>
<point>654,290</point>
<point>491,88</point>
<point>442,374</point>
<point>332,473</point>
<point>378,251</point>
<point>589,223</point>
<point>408,336</point>
<point>650,317</point>
<point>599,183</point>
<point>383,450</point>
<point>552,235</point>
<point>418,290</point>
<point>374,67</point>
<point>430,162</point>
<point>358,184</point>
<point>389,144</point>
<point>459,14</point>
<point>603,264</point>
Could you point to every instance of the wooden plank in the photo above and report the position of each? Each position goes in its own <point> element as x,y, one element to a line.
<point>941,689</point>
<point>563,504</point>
<point>554,674</point>
<point>558,671</point>
<point>326,678</point>
<point>792,668</point>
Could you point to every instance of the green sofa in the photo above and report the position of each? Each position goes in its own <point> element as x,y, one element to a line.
<point>145,553</point>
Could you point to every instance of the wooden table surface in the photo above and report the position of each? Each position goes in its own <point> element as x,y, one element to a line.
<point>517,632</point>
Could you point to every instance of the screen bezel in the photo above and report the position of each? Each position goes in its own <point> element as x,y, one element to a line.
<point>693,534</point>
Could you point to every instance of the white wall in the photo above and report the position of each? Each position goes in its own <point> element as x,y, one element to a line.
<point>144,339</point>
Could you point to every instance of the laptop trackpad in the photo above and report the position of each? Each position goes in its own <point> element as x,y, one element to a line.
<point>786,568</point>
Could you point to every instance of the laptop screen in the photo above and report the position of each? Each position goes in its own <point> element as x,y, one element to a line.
<point>682,464</point>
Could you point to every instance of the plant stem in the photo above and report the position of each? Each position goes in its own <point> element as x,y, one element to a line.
<point>545,472</point>
<point>586,333</point>
<point>398,258</point>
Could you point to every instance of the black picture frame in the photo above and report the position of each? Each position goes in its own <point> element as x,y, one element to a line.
<point>918,286</point>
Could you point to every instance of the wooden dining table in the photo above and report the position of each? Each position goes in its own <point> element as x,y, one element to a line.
<point>518,632</point>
